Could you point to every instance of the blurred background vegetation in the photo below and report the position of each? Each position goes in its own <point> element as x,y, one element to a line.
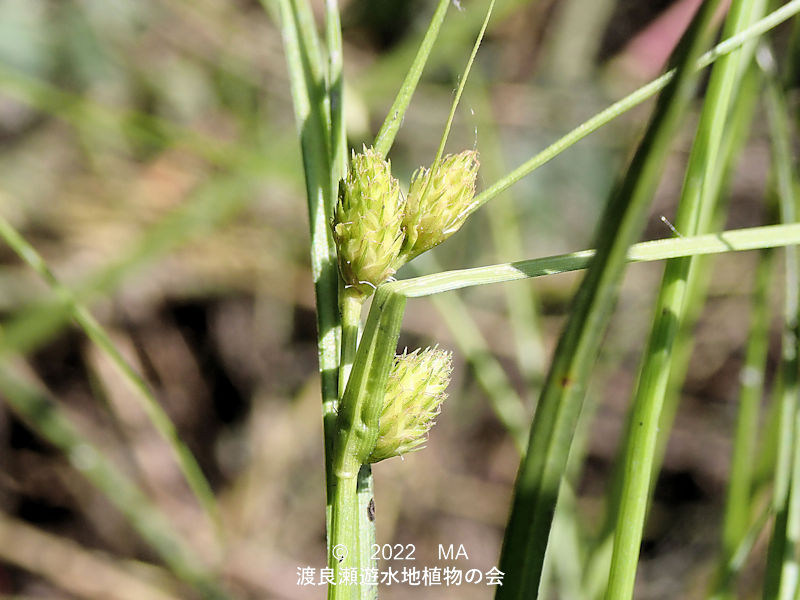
<point>148,151</point>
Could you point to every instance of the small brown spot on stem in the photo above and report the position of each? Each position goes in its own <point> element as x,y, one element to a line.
<point>371,510</point>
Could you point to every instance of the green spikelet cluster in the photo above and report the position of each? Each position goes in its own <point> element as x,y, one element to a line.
<point>438,202</point>
<point>414,394</point>
<point>367,225</point>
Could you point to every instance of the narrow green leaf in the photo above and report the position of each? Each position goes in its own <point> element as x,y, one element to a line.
<point>781,578</point>
<point>151,407</point>
<point>697,206</point>
<point>381,78</point>
<point>47,419</point>
<point>738,499</point>
<point>561,401</point>
<point>388,131</point>
<point>751,238</point>
<point>460,89</point>
<point>735,137</point>
<point>338,142</point>
<point>213,203</point>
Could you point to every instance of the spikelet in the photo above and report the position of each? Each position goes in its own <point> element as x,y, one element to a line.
<point>414,394</point>
<point>367,224</point>
<point>438,203</point>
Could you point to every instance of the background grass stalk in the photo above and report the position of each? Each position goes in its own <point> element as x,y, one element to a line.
<point>214,202</point>
<point>737,130</point>
<point>695,212</point>
<point>562,397</point>
<point>191,471</point>
<point>781,578</point>
<point>503,398</point>
<point>45,417</point>
<point>736,133</point>
<point>507,238</point>
<point>737,503</point>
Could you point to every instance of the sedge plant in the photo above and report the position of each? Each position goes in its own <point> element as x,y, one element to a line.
<point>377,405</point>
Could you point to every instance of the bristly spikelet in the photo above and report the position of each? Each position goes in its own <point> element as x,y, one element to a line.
<point>367,224</point>
<point>438,203</point>
<point>414,394</point>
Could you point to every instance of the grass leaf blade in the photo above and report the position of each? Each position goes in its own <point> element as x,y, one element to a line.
<point>385,138</point>
<point>561,400</point>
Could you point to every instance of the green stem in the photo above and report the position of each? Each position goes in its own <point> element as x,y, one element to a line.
<point>356,434</point>
<point>363,528</point>
<point>343,539</point>
<point>365,495</point>
<point>782,564</point>
<point>313,115</point>
<point>350,541</point>
<point>352,302</point>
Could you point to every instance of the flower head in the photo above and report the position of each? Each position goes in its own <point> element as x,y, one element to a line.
<point>367,223</point>
<point>414,394</point>
<point>438,202</point>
